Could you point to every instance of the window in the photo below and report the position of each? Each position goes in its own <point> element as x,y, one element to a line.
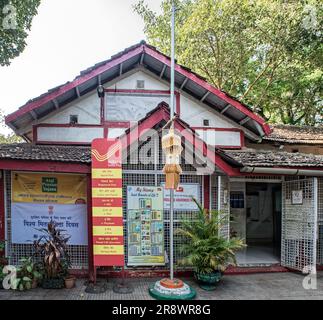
<point>140,84</point>
<point>237,200</point>
<point>74,119</point>
<point>206,122</point>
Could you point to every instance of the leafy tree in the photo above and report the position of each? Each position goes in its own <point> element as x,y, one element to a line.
<point>15,20</point>
<point>266,53</point>
<point>9,138</point>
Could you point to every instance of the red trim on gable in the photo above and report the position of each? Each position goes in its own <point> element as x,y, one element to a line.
<point>124,57</point>
<point>44,166</point>
<point>160,57</point>
<point>187,133</point>
<point>72,85</point>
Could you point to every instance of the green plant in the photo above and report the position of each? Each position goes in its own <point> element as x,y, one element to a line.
<point>2,276</point>
<point>205,250</point>
<point>52,248</point>
<point>27,272</point>
<point>2,246</point>
<point>3,259</point>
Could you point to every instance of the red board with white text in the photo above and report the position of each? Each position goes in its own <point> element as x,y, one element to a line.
<point>107,217</point>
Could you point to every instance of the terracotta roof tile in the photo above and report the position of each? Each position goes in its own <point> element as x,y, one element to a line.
<point>260,158</point>
<point>296,134</point>
<point>26,151</point>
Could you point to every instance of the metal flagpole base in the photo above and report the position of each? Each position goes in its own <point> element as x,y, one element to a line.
<point>122,288</point>
<point>167,289</point>
<point>96,288</point>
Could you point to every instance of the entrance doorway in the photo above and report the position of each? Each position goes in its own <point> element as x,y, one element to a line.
<point>263,214</point>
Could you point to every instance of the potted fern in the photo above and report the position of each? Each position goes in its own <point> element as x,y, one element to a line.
<point>205,249</point>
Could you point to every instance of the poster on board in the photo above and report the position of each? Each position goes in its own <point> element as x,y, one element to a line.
<point>145,226</point>
<point>183,197</point>
<point>38,198</point>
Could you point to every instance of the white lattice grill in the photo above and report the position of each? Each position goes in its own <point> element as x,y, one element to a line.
<point>225,207</point>
<point>147,173</point>
<point>78,254</point>
<point>298,225</point>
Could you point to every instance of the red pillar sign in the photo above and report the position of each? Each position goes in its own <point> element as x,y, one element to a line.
<point>108,243</point>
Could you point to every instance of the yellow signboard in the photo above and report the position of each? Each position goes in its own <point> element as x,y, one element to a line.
<point>45,188</point>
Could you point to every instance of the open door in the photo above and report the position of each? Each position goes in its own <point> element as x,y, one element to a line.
<point>299,224</point>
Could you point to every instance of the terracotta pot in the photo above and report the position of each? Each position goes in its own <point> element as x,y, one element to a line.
<point>34,285</point>
<point>70,282</point>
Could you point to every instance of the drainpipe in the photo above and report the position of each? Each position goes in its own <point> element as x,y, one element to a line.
<point>283,171</point>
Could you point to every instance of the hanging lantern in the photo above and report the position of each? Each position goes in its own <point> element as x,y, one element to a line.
<point>172,146</point>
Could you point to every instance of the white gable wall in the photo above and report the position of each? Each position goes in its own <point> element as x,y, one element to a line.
<point>87,108</point>
<point>122,106</point>
<point>130,82</point>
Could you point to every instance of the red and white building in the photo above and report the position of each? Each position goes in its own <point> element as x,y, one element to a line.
<point>236,160</point>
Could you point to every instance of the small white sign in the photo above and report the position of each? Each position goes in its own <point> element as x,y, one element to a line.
<point>183,197</point>
<point>297,197</point>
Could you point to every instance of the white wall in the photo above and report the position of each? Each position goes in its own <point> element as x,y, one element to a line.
<point>194,114</point>
<point>126,107</point>
<point>79,135</point>
<point>87,109</point>
<point>130,82</point>
<point>223,138</point>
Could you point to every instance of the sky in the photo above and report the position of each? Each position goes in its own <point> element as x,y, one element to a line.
<point>68,36</point>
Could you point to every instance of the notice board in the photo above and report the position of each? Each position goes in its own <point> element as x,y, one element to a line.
<point>145,226</point>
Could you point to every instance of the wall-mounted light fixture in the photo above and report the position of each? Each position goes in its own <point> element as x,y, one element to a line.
<point>101,91</point>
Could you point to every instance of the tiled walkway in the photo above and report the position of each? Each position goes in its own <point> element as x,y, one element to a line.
<point>282,286</point>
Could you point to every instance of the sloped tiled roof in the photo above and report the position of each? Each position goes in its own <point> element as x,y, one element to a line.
<point>296,134</point>
<point>27,151</point>
<point>82,154</point>
<point>260,158</point>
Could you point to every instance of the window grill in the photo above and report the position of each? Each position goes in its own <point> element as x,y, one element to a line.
<point>78,254</point>
<point>147,173</point>
<point>298,225</point>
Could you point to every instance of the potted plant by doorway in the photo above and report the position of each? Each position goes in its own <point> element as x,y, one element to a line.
<point>205,249</point>
<point>52,248</point>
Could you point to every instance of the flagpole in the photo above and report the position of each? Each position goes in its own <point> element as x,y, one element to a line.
<point>170,288</point>
<point>172,112</point>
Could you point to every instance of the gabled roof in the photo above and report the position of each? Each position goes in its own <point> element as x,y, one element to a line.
<point>229,162</point>
<point>296,134</point>
<point>154,61</point>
